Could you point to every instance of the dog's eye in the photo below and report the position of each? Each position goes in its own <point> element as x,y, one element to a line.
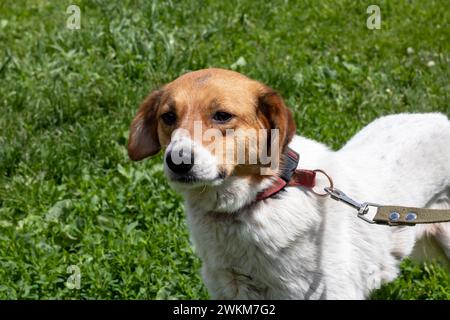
<point>222,117</point>
<point>169,118</point>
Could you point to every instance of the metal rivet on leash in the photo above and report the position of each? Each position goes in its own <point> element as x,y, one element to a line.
<point>394,216</point>
<point>411,216</point>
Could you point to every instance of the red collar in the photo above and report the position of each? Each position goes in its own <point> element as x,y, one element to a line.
<point>289,176</point>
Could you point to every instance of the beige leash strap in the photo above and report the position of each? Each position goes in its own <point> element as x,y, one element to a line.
<point>392,215</point>
<point>395,215</point>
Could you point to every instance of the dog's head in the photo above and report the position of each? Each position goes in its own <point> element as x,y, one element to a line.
<point>213,125</point>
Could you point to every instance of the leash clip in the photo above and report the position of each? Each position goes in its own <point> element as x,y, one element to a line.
<point>362,208</point>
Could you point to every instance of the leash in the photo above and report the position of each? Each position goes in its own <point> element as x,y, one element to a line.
<point>385,215</point>
<point>392,215</point>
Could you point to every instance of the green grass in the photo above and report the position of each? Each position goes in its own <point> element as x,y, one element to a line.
<point>69,195</point>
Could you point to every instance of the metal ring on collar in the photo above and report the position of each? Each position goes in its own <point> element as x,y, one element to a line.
<point>329,180</point>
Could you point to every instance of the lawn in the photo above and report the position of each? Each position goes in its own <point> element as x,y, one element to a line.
<point>69,195</point>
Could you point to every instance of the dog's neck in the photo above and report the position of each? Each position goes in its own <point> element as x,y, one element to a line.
<point>232,196</point>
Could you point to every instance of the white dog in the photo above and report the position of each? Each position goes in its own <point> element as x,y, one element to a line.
<point>295,244</point>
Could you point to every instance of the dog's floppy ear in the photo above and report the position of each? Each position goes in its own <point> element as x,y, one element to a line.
<point>277,116</point>
<point>143,140</point>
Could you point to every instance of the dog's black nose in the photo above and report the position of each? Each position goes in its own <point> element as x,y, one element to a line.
<point>180,162</point>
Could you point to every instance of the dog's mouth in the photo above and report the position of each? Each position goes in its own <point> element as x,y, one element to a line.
<point>187,179</point>
<point>192,181</point>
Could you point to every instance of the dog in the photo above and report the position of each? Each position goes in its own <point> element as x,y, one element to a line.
<point>295,244</point>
